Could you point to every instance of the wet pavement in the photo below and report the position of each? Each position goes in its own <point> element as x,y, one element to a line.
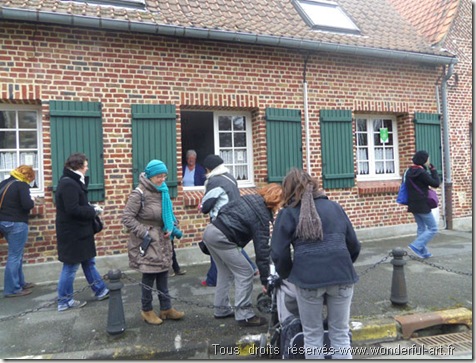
<point>31,327</point>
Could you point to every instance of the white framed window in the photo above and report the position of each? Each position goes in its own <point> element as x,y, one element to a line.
<point>377,147</point>
<point>224,133</point>
<point>325,15</point>
<point>20,141</point>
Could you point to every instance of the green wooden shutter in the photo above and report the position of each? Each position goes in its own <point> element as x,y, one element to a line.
<point>428,137</point>
<point>337,149</point>
<point>154,133</point>
<point>284,142</point>
<point>77,127</point>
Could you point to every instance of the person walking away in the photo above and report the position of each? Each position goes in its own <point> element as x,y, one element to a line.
<point>15,206</point>
<point>75,233</point>
<point>420,176</point>
<point>193,174</point>
<point>149,248</point>
<point>324,242</point>
<point>238,222</point>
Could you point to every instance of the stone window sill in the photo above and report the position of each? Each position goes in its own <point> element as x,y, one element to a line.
<point>378,187</point>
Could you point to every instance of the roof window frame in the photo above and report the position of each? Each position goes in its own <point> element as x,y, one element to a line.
<point>124,4</point>
<point>348,24</point>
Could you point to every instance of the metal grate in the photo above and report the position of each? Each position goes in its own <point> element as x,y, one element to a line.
<point>462,342</point>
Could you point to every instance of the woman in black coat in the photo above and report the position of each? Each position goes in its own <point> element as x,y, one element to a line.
<point>418,178</point>
<point>16,204</point>
<point>75,233</point>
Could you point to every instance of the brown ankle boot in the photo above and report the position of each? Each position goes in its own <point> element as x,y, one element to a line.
<point>150,317</point>
<point>171,314</point>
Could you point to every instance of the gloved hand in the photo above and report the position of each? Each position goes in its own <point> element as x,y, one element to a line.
<point>97,209</point>
<point>176,233</point>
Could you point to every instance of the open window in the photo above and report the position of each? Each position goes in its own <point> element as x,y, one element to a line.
<point>224,133</point>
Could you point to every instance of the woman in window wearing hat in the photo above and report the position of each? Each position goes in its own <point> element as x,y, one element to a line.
<point>150,219</point>
<point>421,175</point>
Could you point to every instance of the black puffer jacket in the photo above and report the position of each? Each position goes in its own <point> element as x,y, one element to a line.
<point>248,218</point>
<point>17,203</point>
<point>74,219</point>
<point>417,201</point>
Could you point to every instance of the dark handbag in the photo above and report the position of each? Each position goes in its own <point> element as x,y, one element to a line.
<point>203,248</point>
<point>432,197</point>
<point>98,224</point>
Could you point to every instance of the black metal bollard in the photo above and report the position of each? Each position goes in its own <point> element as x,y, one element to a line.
<point>116,323</point>
<point>398,294</point>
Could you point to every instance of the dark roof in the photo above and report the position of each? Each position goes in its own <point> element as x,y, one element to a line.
<point>274,21</point>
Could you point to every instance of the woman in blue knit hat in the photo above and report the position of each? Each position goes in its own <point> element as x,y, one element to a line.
<point>150,219</point>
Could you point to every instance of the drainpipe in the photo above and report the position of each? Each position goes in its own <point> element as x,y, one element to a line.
<point>448,183</point>
<point>306,118</point>
<point>443,197</point>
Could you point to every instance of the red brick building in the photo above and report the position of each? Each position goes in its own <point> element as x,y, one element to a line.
<point>266,84</point>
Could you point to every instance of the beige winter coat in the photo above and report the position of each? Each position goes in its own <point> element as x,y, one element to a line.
<point>140,219</point>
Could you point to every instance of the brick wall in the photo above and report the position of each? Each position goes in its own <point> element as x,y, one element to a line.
<point>42,63</point>
<point>460,92</point>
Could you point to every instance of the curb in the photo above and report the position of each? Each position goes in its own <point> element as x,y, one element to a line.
<point>404,326</point>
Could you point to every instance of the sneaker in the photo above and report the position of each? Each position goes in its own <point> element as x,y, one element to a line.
<point>73,304</point>
<point>253,321</point>
<point>181,272</point>
<point>171,274</point>
<point>229,315</point>
<point>29,285</point>
<point>21,293</point>
<point>103,295</point>
<point>416,251</point>
<point>427,255</point>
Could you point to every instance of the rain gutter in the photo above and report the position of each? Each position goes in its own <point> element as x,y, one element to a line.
<point>218,35</point>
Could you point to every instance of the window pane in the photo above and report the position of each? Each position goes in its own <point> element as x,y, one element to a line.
<point>377,124</point>
<point>225,140</point>
<point>363,168</point>
<point>361,125</point>
<point>27,120</point>
<point>362,139</point>
<point>224,123</point>
<point>388,124</point>
<point>227,156</point>
<point>29,158</point>
<point>240,156</point>
<point>7,120</point>
<point>390,167</point>
<point>379,167</point>
<point>28,139</point>
<point>240,139</point>
<point>239,123</point>
<point>8,140</point>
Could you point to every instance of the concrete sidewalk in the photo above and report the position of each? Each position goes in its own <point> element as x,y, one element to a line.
<point>31,327</point>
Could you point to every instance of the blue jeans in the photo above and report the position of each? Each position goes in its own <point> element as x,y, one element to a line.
<point>16,234</point>
<point>426,230</point>
<point>310,303</point>
<point>161,281</point>
<point>66,280</point>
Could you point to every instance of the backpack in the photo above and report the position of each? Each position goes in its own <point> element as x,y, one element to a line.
<point>142,203</point>
<point>292,338</point>
<point>402,197</point>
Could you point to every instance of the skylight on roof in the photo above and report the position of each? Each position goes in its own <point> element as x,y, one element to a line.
<point>325,15</point>
<point>128,4</point>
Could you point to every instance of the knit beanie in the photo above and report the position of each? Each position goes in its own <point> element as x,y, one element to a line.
<point>420,157</point>
<point>212,161</point>
<point>155,167</point>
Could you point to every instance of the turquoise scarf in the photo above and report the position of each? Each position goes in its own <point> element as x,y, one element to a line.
<point>167,211</point>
